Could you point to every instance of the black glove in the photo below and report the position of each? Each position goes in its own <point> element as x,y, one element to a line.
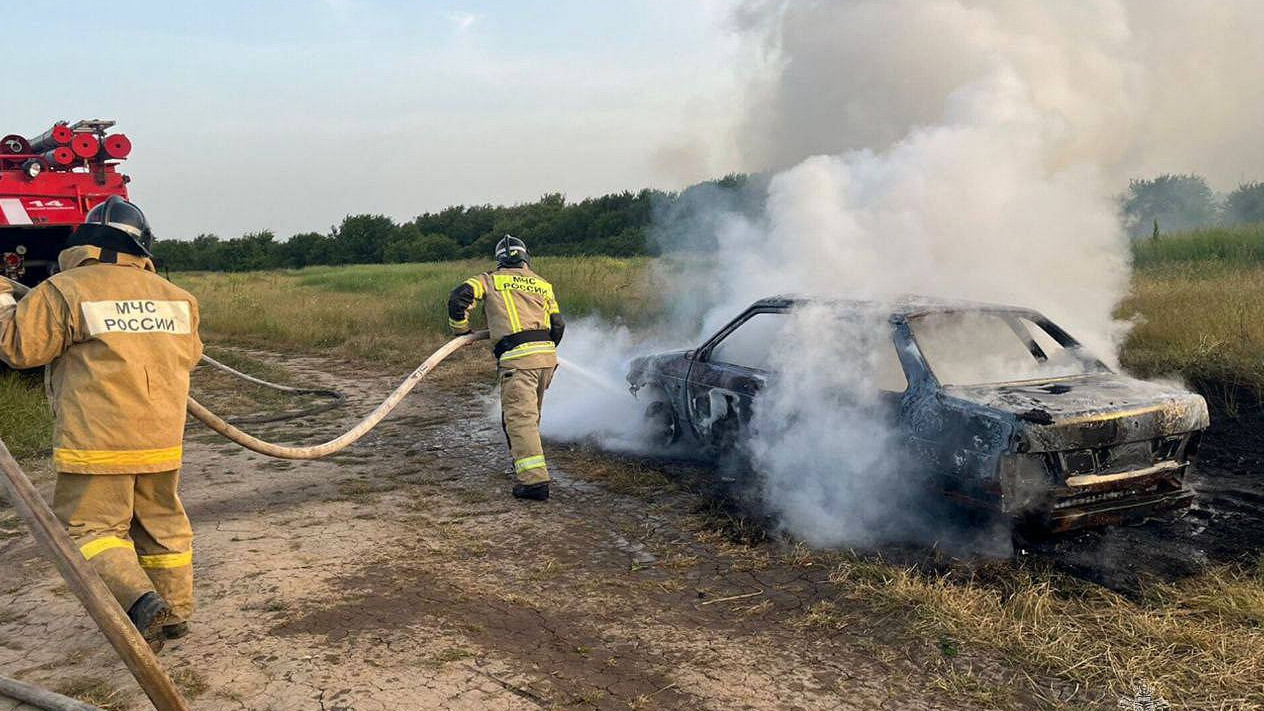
<point>557,328</point>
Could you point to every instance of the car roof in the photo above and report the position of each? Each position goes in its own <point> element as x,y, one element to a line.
<point>906,305</point>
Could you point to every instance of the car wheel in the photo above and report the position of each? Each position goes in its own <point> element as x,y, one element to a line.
<point>659,421</point>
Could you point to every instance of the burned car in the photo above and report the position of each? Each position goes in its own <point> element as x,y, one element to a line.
<point>999,408</point>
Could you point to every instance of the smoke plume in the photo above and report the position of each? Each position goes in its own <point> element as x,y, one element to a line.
<point>950,148</point>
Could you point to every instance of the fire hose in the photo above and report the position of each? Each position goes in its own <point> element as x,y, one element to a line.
<point>316,451</point>
<point>41,698</point>
<point>336,399</point>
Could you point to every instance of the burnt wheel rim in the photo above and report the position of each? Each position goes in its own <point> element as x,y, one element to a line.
<point>660,423</point>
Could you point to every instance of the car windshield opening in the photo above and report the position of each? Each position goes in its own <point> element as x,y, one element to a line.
<point>977,348</point>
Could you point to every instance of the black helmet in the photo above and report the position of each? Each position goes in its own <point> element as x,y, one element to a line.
<point>510,251</point>
<point>118,225</point>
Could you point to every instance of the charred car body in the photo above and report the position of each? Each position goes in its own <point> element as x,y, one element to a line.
<point>1000,408</point>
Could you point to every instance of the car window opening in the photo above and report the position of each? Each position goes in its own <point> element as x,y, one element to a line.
<point>978,348</point>
<point>751,345</point>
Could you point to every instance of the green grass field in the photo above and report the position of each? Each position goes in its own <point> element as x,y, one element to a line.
<point>392,313</point>
<point>1227,246</point>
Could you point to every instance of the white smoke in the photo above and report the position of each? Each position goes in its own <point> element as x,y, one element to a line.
<point>589,398</point>
<point>949,148</point>
<point>1136,87</point>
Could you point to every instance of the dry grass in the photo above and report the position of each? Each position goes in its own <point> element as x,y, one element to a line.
<point>1198,321</point>
<point>96,692</point>
<point>1199,643</point>
<point>623,475</point>
<point>392,313</point>
<point>190,682</point>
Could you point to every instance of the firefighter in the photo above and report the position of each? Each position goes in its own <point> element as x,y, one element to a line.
<point>526,326</point>
<point>120,342</point>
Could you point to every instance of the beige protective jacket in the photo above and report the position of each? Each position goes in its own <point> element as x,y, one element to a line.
<point>522,315</point>
<point>121,342</point>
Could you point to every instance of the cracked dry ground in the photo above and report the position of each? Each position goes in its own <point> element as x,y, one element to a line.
<point>401,575</point>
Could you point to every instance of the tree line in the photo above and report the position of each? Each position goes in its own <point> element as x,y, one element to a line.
<point>1179,203</point>
<point>623,224</point>
<point>613,225</point>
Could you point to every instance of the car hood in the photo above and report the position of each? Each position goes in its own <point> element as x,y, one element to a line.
<point>668,363</point>
<point>1090,410</point>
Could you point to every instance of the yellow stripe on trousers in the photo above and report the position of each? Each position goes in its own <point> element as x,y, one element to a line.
<point>526,463</point>
<point>166,560</point>
<point>117,457</point>
<point>92,549</point>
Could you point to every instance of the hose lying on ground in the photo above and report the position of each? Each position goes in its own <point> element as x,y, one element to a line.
<point>336,399</point>
<point>317,451</point>
<point>41,698</point>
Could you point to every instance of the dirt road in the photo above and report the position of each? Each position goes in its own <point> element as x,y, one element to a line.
<point>401,575</point>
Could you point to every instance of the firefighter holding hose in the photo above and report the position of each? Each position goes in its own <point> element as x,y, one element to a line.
<point>526,326</point>
<point>120,342</point>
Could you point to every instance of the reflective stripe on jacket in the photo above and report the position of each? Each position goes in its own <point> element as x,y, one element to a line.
<point>120,341</point>
<point>517,302</point>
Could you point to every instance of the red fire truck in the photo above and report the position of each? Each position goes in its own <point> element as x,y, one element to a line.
<point>47,185</point>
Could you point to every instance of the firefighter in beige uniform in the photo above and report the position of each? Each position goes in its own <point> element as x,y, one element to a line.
<point>121,342</point>
<point>526,326</point>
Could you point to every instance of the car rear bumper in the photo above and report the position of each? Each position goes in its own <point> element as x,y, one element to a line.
<point>1092,501</point>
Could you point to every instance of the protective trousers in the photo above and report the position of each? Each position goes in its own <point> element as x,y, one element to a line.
<point>521,395</point>
<point>133,529</point>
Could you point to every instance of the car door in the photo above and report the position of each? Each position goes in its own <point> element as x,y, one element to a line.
<point>727,373</point>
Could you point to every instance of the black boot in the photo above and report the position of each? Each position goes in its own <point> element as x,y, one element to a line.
<point>175,631</point>
<point>535,492</point>
<point>149,614</point>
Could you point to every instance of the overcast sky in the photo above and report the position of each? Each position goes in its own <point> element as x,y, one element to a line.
<point>288,115</point>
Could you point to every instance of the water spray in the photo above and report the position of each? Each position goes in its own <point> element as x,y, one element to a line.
<point>593,377</point>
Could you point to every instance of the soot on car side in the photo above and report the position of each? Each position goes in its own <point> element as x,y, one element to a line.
<point>1000,409</point>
